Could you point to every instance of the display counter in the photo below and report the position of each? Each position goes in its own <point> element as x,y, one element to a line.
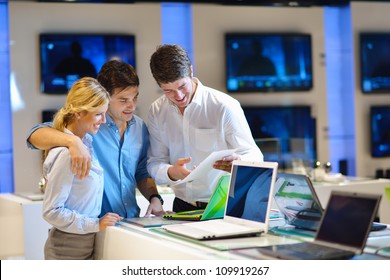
<point>134,243</point>
<point>360,185</point>
<point>24,232</point>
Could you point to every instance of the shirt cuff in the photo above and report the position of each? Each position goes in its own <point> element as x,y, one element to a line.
<point>163,175</point>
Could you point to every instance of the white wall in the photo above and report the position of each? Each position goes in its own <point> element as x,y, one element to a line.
<point>211,22</point>
<point>367,17</point>
<point>27,20</point>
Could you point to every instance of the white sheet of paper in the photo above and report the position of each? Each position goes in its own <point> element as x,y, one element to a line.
<point>205,166</point>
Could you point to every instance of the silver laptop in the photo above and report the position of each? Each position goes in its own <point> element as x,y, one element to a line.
<point>342,233</point>
<point>297,199</point>
<point>248,206</point>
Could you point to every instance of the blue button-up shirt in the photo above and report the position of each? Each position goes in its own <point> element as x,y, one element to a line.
<point>124,163</point>
<point>72,205</point>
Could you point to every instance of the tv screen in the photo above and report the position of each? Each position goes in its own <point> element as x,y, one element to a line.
<point>288,3</point>
<point>304,3</point>
<point>265,62</point>
<point>380,131</point>
<point>283,133</point>
<point>67,57</point>
<point>375,62</point>
<point>48,115</point>
<point>91,1</point>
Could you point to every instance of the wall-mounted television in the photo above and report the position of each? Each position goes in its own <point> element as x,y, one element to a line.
<point>91,1</point>
<point>283,133</point>
<point>380,131</point>
<point>375,62</point>
<point>268,62</point>
<point>64,58</point>
<point>48,115</point>
<point>299,3</point>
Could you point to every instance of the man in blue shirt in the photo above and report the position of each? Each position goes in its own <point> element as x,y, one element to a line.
<point>120,145</point>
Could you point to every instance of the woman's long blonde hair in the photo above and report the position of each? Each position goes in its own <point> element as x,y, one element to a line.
<point>87,94</point>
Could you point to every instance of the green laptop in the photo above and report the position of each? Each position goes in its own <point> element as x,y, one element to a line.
<point>215,209</point>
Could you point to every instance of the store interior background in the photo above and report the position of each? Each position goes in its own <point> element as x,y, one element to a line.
<point>338,104</point>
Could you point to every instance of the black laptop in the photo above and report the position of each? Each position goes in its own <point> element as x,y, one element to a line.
<point>343,230</point>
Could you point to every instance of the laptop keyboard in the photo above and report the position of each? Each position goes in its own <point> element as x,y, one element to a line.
<point>194,212</point>
<point>213,229</point>
<point>317,251</point>
<point>218,226</point>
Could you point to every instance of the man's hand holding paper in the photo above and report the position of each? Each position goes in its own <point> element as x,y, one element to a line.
<point>225,164</point>
<point>221,159</point>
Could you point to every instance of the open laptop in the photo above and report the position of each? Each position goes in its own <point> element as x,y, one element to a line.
<point>215,208</point>
<point>147,222</point>
<point>297,200</point>
<point>342,233</point>
<point>247,207</point>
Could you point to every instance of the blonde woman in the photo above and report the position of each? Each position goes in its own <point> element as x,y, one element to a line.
<point>72,205</point>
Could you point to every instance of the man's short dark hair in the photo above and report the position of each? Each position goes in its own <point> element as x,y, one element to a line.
<point>117,74</point>
<point>170,63</point>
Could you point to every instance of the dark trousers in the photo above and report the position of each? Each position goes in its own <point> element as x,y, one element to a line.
<point>180,205</point>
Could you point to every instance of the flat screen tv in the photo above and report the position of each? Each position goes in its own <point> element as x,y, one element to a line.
<point>64,58</point>
<point>380,131</point>
<point>91,1</point>
<point>375,62</point>
<point>304,3</point>
<point>283,133</point>
<point>48,115</point>
<point>268,62</point>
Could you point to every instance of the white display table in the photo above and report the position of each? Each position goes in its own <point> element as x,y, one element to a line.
<point>134,243</point>
<point>137,243</point>
<point>24,232</point>
<point>361,185</point>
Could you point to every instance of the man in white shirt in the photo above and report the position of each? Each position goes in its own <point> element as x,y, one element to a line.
<point>189,122</point>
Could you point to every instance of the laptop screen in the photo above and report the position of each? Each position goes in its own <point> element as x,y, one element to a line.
<point>250,187</point>
<point>216,207</point>
<point>296,199</point>
<point>347,218</point>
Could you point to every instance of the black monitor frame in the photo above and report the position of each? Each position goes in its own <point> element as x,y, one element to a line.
<point>283,140</point>
<point>380,131</point>
<point>374,62</point>
<point>58,59</point>
<point>286,63</point>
